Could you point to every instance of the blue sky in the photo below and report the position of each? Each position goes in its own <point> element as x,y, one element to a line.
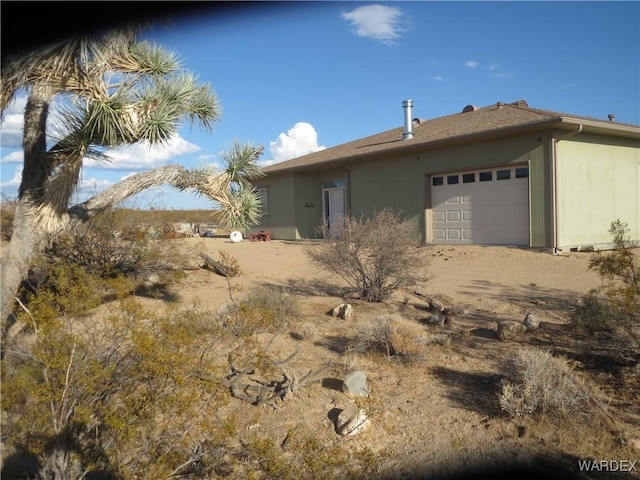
<point>299,77</point>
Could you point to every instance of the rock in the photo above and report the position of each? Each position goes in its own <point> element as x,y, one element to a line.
<point>531,321</point>
<point>351,421</point>
<point>343,311</point>
<point>436,305</point>
<point>355,383</point>
<point>435,320</point>
<point>508,329</point>
<point>152,280</point>
<point>455,311</point>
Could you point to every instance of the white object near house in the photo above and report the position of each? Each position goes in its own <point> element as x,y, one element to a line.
<point>236,236</point>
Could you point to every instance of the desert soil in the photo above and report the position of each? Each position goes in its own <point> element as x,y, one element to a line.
<point>439,416</point>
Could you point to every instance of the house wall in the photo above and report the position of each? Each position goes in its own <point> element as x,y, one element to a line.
<point>401,181</point>
<point>281,218</point>
<point>598,182</point>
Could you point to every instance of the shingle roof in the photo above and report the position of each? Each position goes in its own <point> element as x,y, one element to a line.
<point>494,119</point>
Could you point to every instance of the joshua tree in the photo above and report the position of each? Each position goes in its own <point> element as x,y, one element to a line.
<point>110,90</point>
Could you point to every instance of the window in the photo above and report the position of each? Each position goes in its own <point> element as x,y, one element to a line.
<point>503,174</point>
<point>452,179</point>
<point>339,183</point>
<point>522,172</point>
<point>263,196</point>
<point>436,181</point>
<point>468,177</point>
<point>485,176</point>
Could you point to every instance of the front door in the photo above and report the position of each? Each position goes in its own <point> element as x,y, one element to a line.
<point>334,207</point>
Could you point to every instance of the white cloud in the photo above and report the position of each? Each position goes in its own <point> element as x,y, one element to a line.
<point>15,181</point>
<point>438,78</point>
<point>144,156</point>
<point>301,139</point>
<point>14,157</point>
<point>93,185</point>
<point>471,64</point>
<point>10,187</point>
<point>12,123</point>
<point>379,22</point>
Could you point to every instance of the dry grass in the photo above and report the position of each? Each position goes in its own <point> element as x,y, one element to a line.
<point>538,384</point>
<point>394,336</point>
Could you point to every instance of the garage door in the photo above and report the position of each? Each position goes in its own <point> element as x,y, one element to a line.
<point>487,207</point>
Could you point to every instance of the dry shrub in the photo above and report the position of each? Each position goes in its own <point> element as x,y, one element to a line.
<point>263,309</point>
<point>375,256</point>
<point>538,384</point>
<point>392,336</point>
<point>98,248</point>
<point>7,213</point>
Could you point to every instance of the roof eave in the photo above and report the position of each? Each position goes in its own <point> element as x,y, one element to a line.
<point>563,123</point>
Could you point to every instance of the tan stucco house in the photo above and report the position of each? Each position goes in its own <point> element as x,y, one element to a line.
<point>504,174</point>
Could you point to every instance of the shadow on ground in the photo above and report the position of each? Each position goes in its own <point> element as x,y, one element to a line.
<point>477,392</point>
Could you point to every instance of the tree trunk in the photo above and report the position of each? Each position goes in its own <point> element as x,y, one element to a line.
<point>27,238</point>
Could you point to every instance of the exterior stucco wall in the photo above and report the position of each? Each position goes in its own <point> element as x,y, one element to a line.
<point>280,220</point>
<point>401,182</point>
<point>597,184</point>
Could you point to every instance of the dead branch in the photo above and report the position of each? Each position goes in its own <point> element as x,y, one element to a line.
<point>217,267</point>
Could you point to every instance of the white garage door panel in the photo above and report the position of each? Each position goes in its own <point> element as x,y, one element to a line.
<point>494,212</point>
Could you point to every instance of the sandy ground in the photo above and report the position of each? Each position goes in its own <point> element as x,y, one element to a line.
<point>439,416</point>
<point>507,280</point>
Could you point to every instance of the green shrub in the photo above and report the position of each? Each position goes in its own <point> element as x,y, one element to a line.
<point>123,396</point>
<point>621,270</point>
<point>375,256</point>
<point>617,302</point>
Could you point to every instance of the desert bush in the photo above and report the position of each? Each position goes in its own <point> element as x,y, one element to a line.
<point>535,383</point>
<point>7,212</point>
<point>101,251</point>
<point>306,456</point>
<point>617,302</point>
<point>262,309</point>
<point>392,336</point>
<point>121,398</point>
<point>375,256</point>
<point>593,314</point>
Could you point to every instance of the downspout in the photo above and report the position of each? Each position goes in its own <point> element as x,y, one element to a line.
<point>554,186</point>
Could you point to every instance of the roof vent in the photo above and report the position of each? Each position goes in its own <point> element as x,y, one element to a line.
<point>500,105</point>
<point>520,103</point>
<point>469,108</point>
<point>612,117</point>
<point>416,121</point>
<point>408,133</point>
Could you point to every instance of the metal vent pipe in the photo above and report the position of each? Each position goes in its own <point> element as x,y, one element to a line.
<point>408,132</point>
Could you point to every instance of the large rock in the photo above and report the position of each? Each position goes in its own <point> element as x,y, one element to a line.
<point>351,421</point>
<point>435,320</point>
<point>508,329</point>
<point>531,321</point>
<point>343,311</point>
<point>355,383</point>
